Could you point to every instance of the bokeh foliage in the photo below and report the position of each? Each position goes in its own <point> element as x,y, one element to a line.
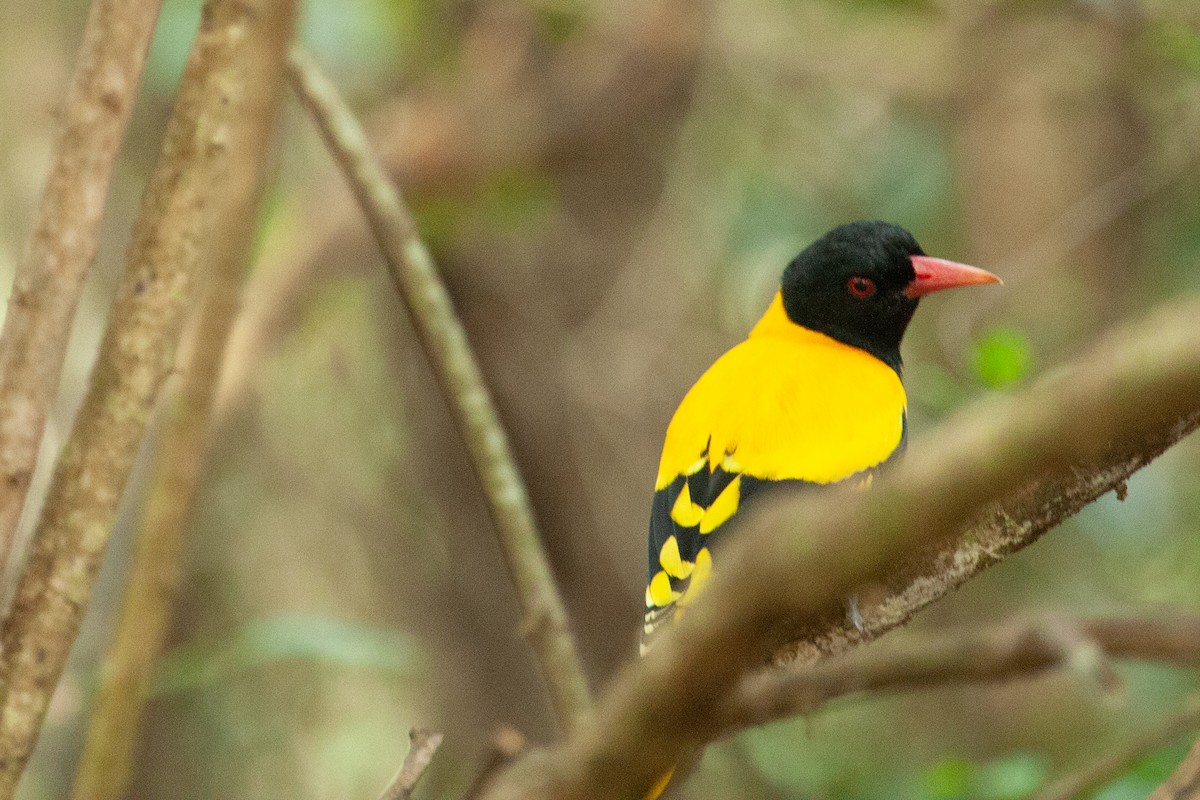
<point>612,189</point>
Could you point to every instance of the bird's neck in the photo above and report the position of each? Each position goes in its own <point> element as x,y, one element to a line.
<point>776,322</point>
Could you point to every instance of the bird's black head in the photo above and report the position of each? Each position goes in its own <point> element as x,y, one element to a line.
<point>860,284</point>
<point>850,284</point>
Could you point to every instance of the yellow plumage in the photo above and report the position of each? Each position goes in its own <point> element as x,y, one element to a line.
<point>812,397</point>
<point>787,404</point>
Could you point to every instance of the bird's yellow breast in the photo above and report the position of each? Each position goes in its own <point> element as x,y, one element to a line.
<point>787,403</point>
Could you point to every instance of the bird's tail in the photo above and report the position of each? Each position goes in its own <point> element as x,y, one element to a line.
<point>661,786</point>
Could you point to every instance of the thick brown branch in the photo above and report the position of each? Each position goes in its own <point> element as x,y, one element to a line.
<point>445,342</point>
<point>107,760</point>
<point>1110,765</point>
<point>1016,650</point>
<point>424,745</point>
<point>169,244</point>
<point>1015,522</point>
<point>63,243</point>
<point>1142,385</point>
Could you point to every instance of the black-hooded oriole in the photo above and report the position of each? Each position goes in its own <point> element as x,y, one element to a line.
<point>813,396</point>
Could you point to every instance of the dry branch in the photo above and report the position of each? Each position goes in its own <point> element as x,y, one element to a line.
<point>445,343</point>
<point>170,241</point>
<point>1016,650</point>
<point>107,761</point>
<point>1109,766</point>
<point>424,745</point>
<point>63,243</point>
<point>506,744</point>
<point>1140,386</point>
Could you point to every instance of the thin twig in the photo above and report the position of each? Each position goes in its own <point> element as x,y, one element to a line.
<point>165,258</point>
<point>1104,769</point>
<point>423,745</point>
<point>445,343</point>
<point>1016,650</point>
<point>506,745</point>
<point>106,763</point>
<point>797,558</point>
<point>1184,783</point>
<point>62,246</point>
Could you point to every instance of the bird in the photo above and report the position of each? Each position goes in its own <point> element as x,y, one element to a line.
<point>814,396</point>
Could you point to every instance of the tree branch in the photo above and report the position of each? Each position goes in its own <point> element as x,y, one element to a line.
<point>1016,650</point>
<point>62,246</point>
<point>506,744</point>
<point>1140,386</point>
<point>1011,524</point>
<point>1106,768</point>
<point>445,343</point>
<point>106,763</point>
<point>420,753</point>
<point>170,240</point>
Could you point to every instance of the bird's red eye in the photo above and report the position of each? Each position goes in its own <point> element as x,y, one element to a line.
<point>861,287</point>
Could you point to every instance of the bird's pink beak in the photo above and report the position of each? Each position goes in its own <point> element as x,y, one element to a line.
<point>935,274</point>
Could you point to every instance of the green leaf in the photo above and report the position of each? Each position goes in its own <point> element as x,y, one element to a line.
<point>1127,788</point>
<point>1002,358</point>
<point>1178,44</point>
<point>1158,766</point>
<point>288,637</point>
<point>1011,778</point>
<point>949,779</point>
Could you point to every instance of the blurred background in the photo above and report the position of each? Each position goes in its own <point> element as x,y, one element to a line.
<point>612,188</point>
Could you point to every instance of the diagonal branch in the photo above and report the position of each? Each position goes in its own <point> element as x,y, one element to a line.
<point>107,761</point>
<point>424,744</point>
<point>170,241</point>
<point>1015,522</point>
<point>1139,386</point>
<point>1016,650</point>
<point>62,246</point>
<point>1106,768</point>
<point>445,343</point>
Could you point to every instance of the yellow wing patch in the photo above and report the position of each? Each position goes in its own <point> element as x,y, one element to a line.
<point>699,577</point>
<point>670,560</point>
<point>685,512</point>
<point>659,592</point>
<point>723,507</point>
